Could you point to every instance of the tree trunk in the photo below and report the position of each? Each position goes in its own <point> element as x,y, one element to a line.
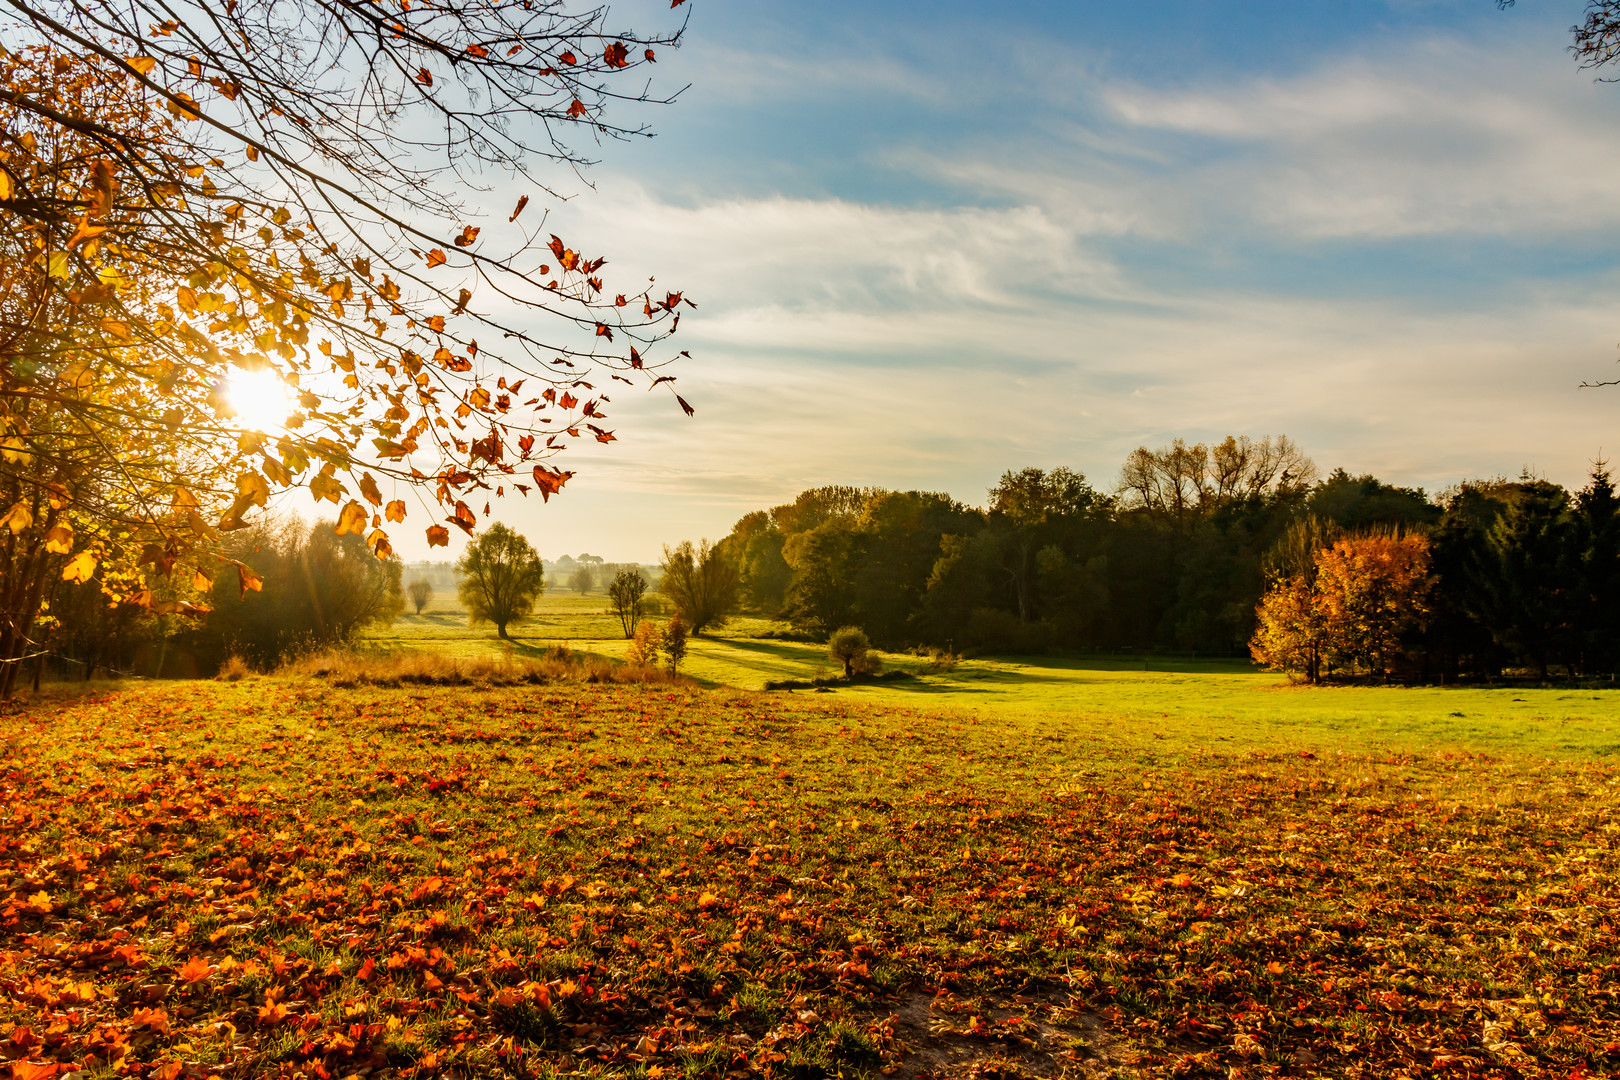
<point>500,631</point>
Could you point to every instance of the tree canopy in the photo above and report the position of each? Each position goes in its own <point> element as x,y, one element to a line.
<point>200,205</point>
<point>499,578</point>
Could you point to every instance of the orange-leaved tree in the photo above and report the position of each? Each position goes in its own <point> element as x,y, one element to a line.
<point>1352,606</point>
<point>1375,591</point>
<point>283,201</point>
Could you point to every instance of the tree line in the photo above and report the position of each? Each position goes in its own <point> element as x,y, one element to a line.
<point>1180,553</point>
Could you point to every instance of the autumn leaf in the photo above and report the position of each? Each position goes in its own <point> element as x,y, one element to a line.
<point>368,488</point>
<point>436,257</point>
<point>684,406</point>
<point>18,518</point>
<point>59,539</point>
<point>6,188</point>
<point>32,1070</point>
<point>438,536</point>
<point>195,970</point>
<point>248,580</point>
<point>80,567</point>
<point>567,57</point>
<point>424,76</point>
<point>550,481</point>
<point>521,203</point>
<point>352,519</point>
<point>395,511</point>
<point>577,108</point>
<point>142,64</point>
<point>617,55</point>
<point>468,235</point>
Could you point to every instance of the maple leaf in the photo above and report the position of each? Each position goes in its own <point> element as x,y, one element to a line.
<point>438,536</point>
<point>617,55</point>
<point>436,257</point>
<point>195,970</point>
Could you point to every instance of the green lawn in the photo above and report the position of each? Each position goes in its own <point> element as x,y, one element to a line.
<point>1174,707</point>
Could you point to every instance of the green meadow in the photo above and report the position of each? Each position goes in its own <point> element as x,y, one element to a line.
<point>1166,705</point>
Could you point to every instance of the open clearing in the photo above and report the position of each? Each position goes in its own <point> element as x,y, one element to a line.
<point>280,877</point>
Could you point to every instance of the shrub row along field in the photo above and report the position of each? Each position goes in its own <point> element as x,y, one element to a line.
<point>279,877</point>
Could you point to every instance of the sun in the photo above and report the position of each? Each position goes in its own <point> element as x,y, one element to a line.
<point>261,400</point>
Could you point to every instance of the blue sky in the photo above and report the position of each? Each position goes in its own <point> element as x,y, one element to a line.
<point>934,241</point>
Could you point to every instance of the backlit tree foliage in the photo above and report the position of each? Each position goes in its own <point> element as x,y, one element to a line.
<point>1353,610</point>
<point>189,196</point>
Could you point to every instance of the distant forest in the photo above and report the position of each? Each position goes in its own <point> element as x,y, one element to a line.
<point>1177,555</point>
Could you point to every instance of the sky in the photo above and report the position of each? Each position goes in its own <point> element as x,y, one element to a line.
<point>932,242</point>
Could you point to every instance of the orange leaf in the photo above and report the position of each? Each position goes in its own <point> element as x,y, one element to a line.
<point>436,257</point>
<point>29,1070</point>
<point>468,235</point>
<point>577,109</point>
<point>521,203</point>
<point>368,488</point>
<point>567,57</point>
<point>352,519</point>
<point>438,536</point>
<point>436,324</point>
<point>395,511</point>
<point>249,580</point>
<point>195,970</point>
<point>424,76</point>
<point>617,55</point>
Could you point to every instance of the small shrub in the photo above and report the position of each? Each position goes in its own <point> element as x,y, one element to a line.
<point>234,669</point>
<point>850,646</point>
<point>645,645</point>
<point>675,642</point>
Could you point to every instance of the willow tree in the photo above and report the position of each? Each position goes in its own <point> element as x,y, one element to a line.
<point>278,198</point>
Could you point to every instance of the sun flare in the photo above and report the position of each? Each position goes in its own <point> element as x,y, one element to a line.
<point>261,400</point>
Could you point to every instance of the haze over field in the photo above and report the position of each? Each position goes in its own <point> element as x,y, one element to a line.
<point>934,242</point>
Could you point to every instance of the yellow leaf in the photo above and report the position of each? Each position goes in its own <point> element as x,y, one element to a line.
<point>80,567</point>
<point>142,64</point>
<point>59,540</point>
<point>5,185</point>
<point>18,518</point>
<point>251,486</point>
<point>395,511</point>
<point>202,582</point>
<point>368,488</point>
<point>58,265</point>
<point>352,519</point>
<point>78,374</point>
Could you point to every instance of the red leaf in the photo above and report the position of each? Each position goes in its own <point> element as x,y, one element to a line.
<point>577,109</point>
<point>617,55</point>
<point>650,58</point>
<point>567,58</point>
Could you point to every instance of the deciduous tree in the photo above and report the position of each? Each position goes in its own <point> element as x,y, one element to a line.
<point>290,196</point>
<point>420,592</point>
<point>701,582</point>
<point>500,578</point>
<point>625,594</point>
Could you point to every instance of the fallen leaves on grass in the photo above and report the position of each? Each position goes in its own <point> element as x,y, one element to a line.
<point>290,878</point>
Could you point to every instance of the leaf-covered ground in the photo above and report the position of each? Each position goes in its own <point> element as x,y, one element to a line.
<point>281,878</point>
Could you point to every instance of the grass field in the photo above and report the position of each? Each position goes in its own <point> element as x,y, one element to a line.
<point>1194,873</point>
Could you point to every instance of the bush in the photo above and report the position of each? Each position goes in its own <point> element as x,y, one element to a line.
<point>850,646</point>
<point>646,645</point>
